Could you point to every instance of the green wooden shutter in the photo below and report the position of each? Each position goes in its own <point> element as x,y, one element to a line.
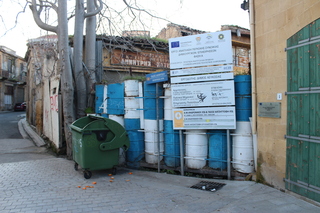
<point>303,96</point>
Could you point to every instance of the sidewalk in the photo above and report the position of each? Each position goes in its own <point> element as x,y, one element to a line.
<point>27,132</point>
<point>51,185</point>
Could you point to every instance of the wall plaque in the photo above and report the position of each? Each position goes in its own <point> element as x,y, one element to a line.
<point>269,109</point>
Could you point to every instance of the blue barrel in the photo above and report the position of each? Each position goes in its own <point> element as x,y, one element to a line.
<point>242,84</point>
<point>132,123</point>
<point>136,151</point>
<point>243,98</point>
<point>149,93</point>
<point>104,115</point>
<point>218,149</point>
<point>171,144</point>
<point>99,98</point>
<point>115,103</point>
<point>243,107</point>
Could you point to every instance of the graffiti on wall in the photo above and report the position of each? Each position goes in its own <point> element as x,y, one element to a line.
<point>54,103</point>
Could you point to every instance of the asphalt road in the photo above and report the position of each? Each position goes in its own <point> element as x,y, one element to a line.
<point>13,147</point>
<point>9,125</point>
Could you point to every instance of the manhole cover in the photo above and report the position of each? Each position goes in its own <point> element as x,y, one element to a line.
<point>208,186</point>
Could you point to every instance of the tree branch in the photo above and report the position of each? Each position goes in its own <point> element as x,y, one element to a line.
<point>36,15</point>
<point>142,10</point>
<point>16,20</point>
<point>96,11</point>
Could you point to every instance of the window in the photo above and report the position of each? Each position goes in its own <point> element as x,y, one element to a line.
<point>8,90</point>
<point>21,67</point>
<point>9,63</point>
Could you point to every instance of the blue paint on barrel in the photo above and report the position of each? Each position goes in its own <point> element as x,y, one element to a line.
<point>132,123</point>
<point>115,103</point>
<point>171,144</point>
<point>243,98</point>
<point>149,93</point>
<point>104,115</point>
<point>218,149</point>
<point>243,107</point>
<point>136,151</point>
<point>242,84</point>
<point>99,98</point>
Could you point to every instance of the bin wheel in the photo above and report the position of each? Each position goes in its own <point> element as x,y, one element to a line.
<point>76,167</point>
<point>114,171</point>
<point>87,174</point>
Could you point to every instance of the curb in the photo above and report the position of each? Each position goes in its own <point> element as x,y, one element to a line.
<point>27,133</point>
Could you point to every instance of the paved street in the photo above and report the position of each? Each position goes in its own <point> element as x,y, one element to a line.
<point>14,147</point>
<point>51,185</point>
<point>31,180</point>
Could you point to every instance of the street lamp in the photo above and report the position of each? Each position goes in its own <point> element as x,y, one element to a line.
<point>245,5</point>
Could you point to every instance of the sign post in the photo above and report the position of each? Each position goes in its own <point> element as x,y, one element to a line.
<point>155,78</point>
<point>202,94</point>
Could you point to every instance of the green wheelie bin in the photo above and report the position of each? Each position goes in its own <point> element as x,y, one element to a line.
<point>96,142</point>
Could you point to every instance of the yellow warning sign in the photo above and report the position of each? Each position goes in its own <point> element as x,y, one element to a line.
<point>178,119</point>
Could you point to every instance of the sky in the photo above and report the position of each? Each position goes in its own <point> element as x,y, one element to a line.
<point>17,24</point>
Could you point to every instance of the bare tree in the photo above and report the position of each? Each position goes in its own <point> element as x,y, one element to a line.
<point>77,84</point>
<point>83,89</point>
<point>64,65</point>
<point>79,77</point>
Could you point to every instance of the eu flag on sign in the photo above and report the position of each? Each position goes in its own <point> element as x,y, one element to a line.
<point>175,44</point>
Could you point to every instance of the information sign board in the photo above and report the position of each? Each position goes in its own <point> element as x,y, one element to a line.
<point>216,93</point>
<point>197,78</point>
<point>201,50</point>
<point>204,118</point>
<point>157,77</point>
<point>201,70</point>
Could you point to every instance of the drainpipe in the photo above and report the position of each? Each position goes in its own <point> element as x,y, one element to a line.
<point>253,80</point>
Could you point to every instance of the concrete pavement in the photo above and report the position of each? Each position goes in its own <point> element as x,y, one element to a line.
<point>50,184</point>
<point>16,149</point>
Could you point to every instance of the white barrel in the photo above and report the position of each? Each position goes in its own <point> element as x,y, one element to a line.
<point>243,128</point>
<point>131,107</point>
<point>151,139</point>
<point>242,153</point>
<point>131,88</point>
<point>167,103</point>
<point>141,105</point>
<point>196,148</point>
<point>118,118</point>
<point>122,153</point>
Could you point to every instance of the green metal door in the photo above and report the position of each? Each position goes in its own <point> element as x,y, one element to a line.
<point>303,122</point>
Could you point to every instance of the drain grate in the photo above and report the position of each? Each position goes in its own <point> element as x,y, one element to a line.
<point>208,186</point>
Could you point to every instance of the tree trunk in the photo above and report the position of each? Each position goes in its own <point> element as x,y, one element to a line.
<point>90,59</point>
<point>66,76</point>
<point>80,82</point>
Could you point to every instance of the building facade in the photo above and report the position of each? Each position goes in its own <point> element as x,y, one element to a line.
<point>116,58</point>
<point>127,57</point>
<point>13,72</point>
<point>285,71</point>
<point>43,91</point>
